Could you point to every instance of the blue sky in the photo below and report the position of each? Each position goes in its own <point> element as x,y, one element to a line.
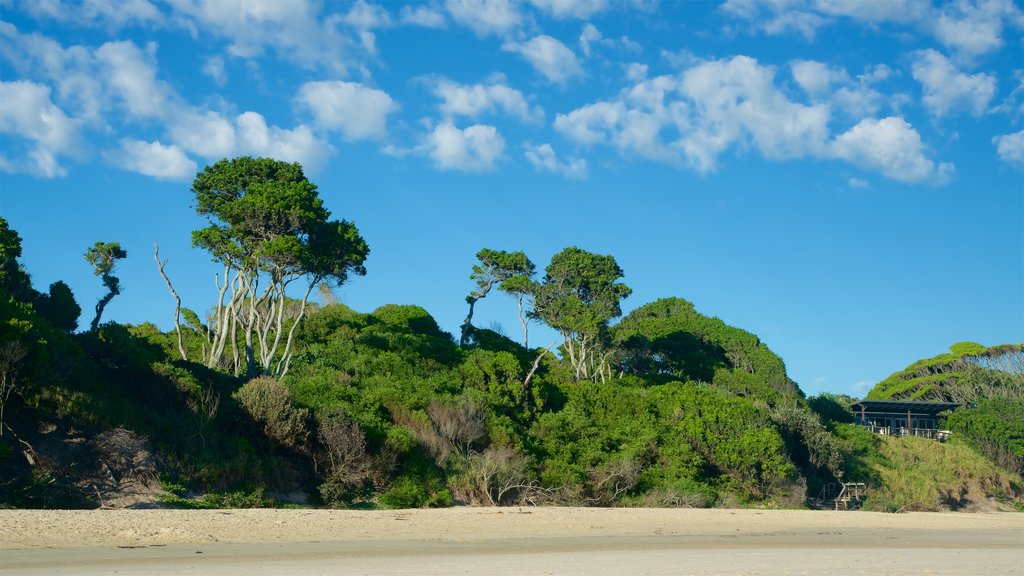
<point>843,178</point>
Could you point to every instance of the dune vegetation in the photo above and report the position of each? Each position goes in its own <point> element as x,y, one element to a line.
<point>274,394</point>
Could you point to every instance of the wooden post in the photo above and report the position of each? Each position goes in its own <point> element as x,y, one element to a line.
<point>910,429</point>
<point>863,422</point>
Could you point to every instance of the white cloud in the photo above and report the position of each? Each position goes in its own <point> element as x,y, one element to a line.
<point>695,116</point>
<point>548,56</point>
<point>214,68</point>
<point>593,123</point>
<point>130,74</point>
<point>892,147</point>
<point>422,16</point>
<point>971,27</point>
<point>213,136</point>
<point>543,158</point>
<point>111,14</point>
<point>484,17</point>
<point>292,29</point>
<point>295,145</point>
<point>29,114</point>
<point>358,112</point>
<point>1013,104</point>
<point>591,36</point>
<point>207,134</point>
<point>636,72</point>
<point>565,9</point>
<point>153,159</point>
<point>366,16</point>
<point>975,28</point>
<point>1011,147</point>
<point>475,100</point>
<point>824,83</point>
<point>947,89</point>
<point>70,71</point>
<point>474,149</point>
<point>736,99</point>
<point>588,36</point>
<point>816,78</point>
<point>858,183</point>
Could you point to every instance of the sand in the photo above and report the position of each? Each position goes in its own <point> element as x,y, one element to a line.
<point>508,541</point>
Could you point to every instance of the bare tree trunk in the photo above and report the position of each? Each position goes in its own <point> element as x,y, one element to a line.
<point>522,320</point>
<point>286,356</point>
<point>177,300</point>
<point>533,369</point>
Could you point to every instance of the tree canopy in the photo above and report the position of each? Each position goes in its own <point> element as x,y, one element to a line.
<point>579,295</point>
<point>268,224</point>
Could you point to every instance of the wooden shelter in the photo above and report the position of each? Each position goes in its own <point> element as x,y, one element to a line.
<point>903,417</point>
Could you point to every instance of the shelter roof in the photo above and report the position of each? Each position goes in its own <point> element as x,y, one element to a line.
<point>904,406</point>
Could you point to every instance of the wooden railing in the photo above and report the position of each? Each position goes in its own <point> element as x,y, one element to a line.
<point>933,433</point>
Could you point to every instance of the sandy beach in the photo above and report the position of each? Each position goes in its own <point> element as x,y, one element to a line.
<point>508,541</point>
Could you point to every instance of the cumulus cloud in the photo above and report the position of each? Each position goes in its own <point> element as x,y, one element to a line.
<point>1011,147</point>
<point>543,158</point>
<point>554,60</point>
<point>475,149</point>
<point>486,17</point>
<point>153,159</point>
<point>130,74</point>
<point>118,84</point>
<point>475,100</point>
<point>213,136</point>
<point>892,147</point>
<point>975,28</point>
<point>293,30</point>
<point>824,83</point>
<point>695,116</point>
<point>947,89</point>
<point>357,111</point>
<point>297,144</point>
<point>28,113</point>
<point>566,9</point>
<point>422,16</point>
<point>816,78</point>
<point>736,99</point>
<point>71,71</point>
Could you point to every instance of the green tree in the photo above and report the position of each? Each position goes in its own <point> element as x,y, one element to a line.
<point>498,268</point>
<point>59,307</point>
<point>520,285</point>
<point>104,256</point>
<point>580,293</point>
<point>13,279</point>
<point>268,228</point>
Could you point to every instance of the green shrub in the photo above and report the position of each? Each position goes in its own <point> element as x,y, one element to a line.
<point>269,404</point>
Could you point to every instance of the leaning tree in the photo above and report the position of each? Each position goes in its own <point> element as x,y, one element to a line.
<point>104,256</point>
<point>268,229</point>
<point>498,268</point>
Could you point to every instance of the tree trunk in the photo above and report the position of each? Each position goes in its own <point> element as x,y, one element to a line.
<point>522,320</point>
<point>467,325</point>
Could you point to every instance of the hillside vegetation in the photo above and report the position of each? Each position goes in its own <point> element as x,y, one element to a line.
<point>268,399</point>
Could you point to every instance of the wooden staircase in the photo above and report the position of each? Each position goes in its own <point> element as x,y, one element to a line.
<point>841,496</point>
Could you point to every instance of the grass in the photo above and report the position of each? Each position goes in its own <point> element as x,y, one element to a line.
<point>917,474</point>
